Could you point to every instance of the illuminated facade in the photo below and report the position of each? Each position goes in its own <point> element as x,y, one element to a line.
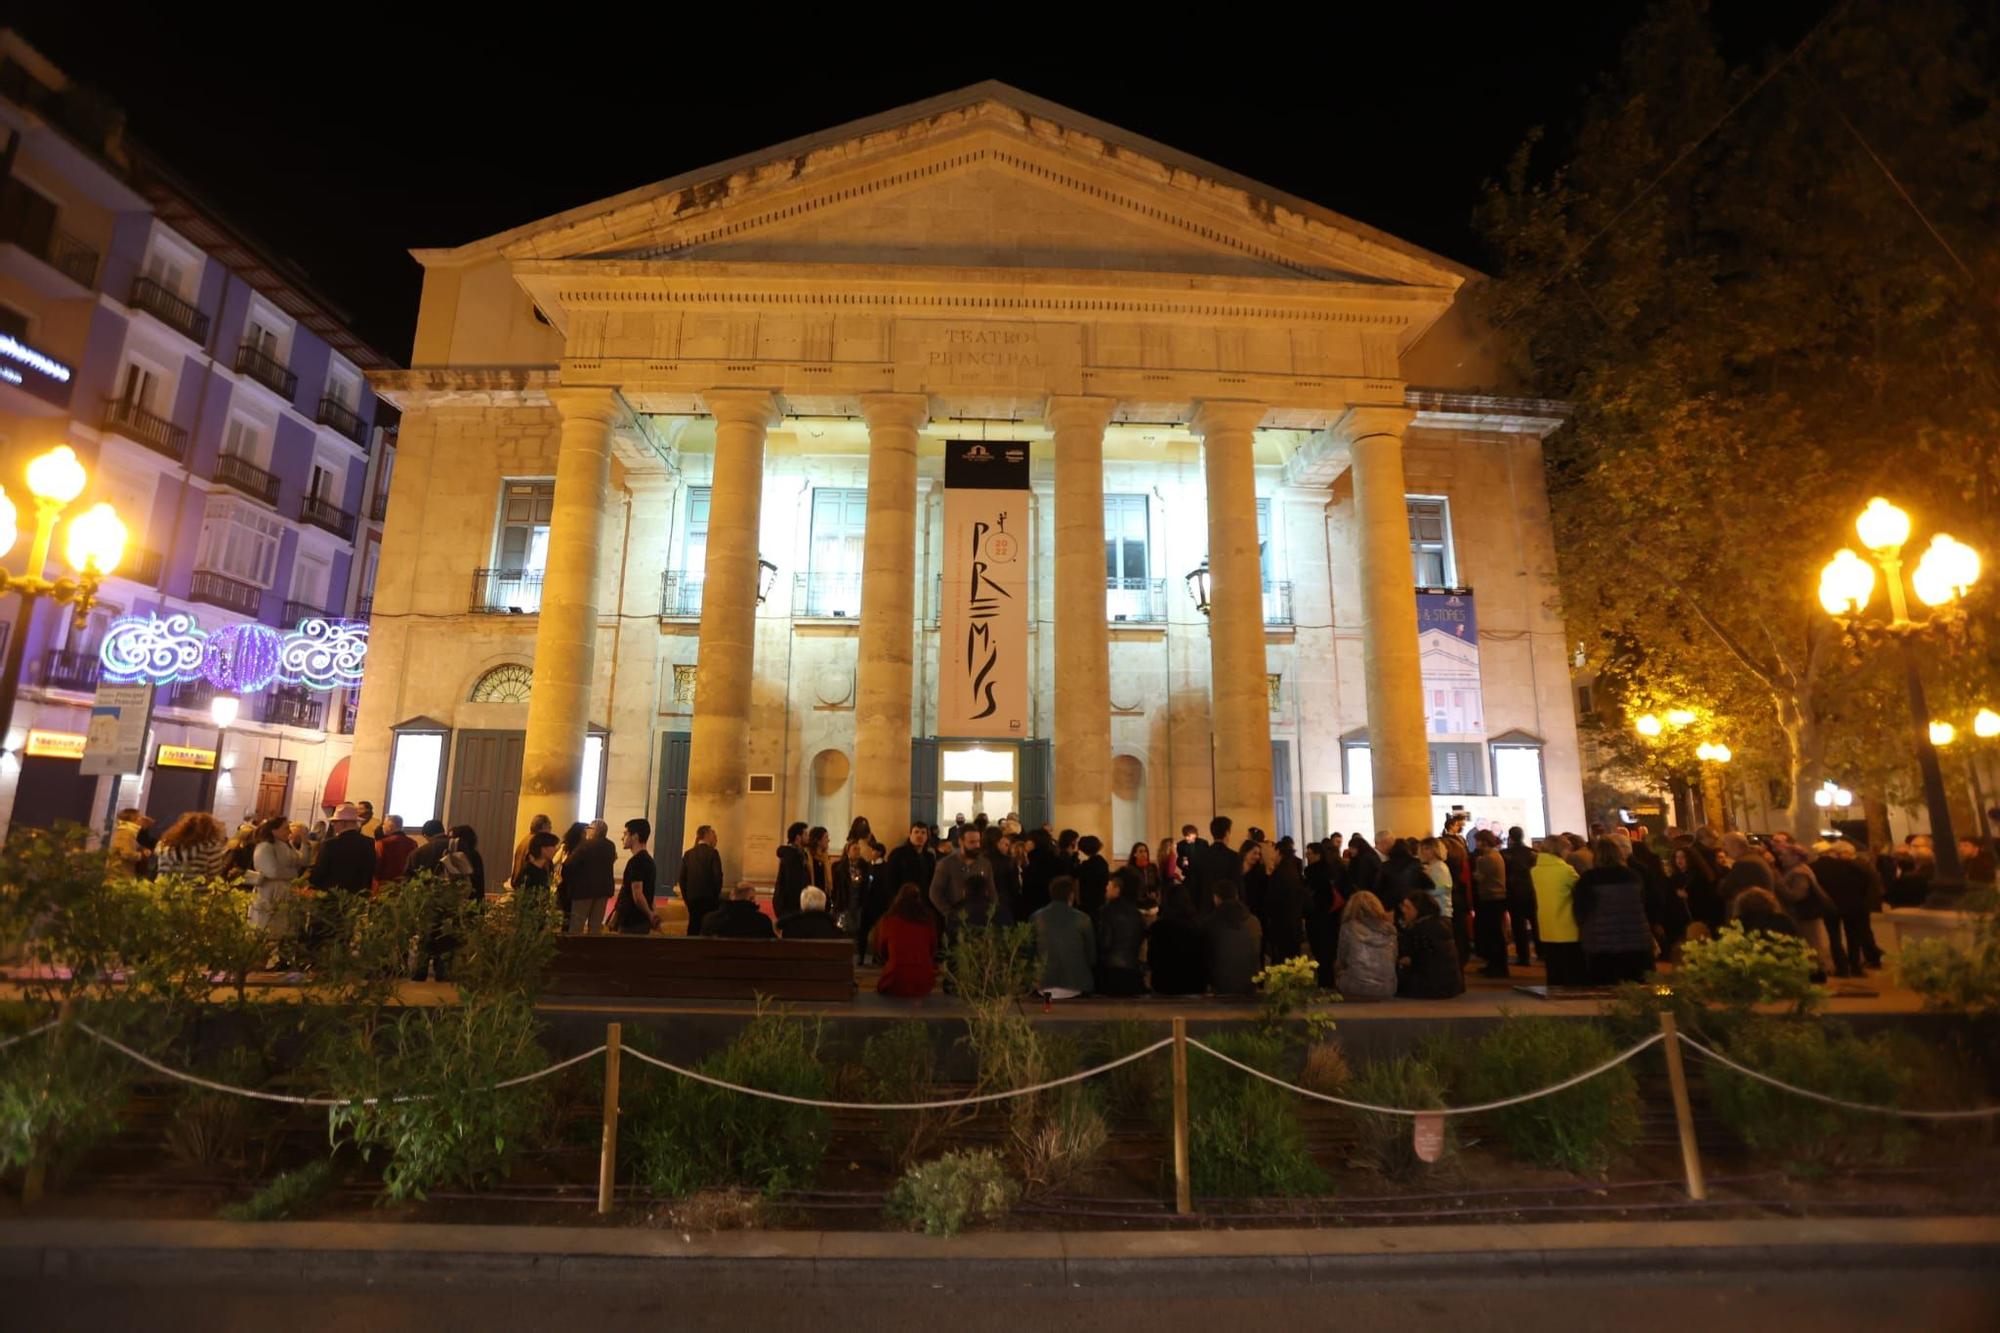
<point>674,532</point>
<point>225,412</point>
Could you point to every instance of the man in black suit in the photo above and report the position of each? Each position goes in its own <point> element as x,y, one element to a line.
<point>1219,864</point>
<point>700,880</point>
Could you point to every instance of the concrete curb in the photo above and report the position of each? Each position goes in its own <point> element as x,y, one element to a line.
<point>101,1252</point>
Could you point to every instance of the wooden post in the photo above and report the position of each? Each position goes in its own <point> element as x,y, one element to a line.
<point>607,1157</point>
<point>1183,1195</point>
<point>1683,1114</point>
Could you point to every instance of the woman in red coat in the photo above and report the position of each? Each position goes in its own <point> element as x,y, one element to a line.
<point>907,938</point>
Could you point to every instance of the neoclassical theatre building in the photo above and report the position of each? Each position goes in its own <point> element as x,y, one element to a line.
<point>975,456</point>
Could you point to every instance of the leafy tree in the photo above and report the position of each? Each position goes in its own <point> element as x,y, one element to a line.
<point>1757,332</point>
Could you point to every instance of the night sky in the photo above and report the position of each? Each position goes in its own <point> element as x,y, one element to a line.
<point>344,152</point>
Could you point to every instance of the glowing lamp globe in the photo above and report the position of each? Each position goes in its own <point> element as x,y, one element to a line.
<point>1722,754</point>
<point>1647,725</point>
<point>1679,717</point>
<point>1943,733</point>
<point>57,475</point>
<point>1882,526</point>
<point>222,709</point>
<point>1986,724</point>
<point>1947,569</point>
<point>1823,797</point>
<point>10,527</point>
<point>96,539</point>
<point>1846,584</point>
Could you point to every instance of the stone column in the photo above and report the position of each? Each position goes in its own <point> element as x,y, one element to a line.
<point>886,652</point>
<point>719,746</point>
<point>566,629</point>
<point>1398,745</point>
<point>1082,639</point>
<point>1236,617</point>
<point>635,683</point>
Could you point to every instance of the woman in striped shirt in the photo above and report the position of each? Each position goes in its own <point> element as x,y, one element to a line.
<point>195,845</point>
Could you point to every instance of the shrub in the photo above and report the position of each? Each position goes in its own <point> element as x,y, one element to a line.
<point>899,1065</point>
<point>687,1136</point>
<point>1291,989</point>
<point>1632,1013</point>
<point>436,1117</point>
<point>939,1197</point>
<point>1804,1136</point>
<point>1326,1069</point>
<point>1579,1129</point>
<point>991,963</point>
<point>1387,1143</point>
<point>1137,1089</point>
<point>1738,970</point>
<point>507,945</point>
<point>1244,1135</point>
<point>1952,975</point>
<point>1052,1137</point>
<point>60,1094</point>
<point>296,1193</point>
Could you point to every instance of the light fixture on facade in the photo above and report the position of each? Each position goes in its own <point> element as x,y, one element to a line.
<point>767,574</point>
<point>1198,586</point>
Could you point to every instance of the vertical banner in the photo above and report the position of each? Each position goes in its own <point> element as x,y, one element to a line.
<point>983,623</point>
<point>1448,657</point>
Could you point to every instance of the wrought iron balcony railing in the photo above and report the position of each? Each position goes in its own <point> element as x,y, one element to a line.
<point>326,514</point>
<point>680,596</point>
<point>1135,601</point>
<point>1278,603</point>
<point>503,592</point>
<point>170,309</point>
<point>220,590</point>
<point>332,412</point>
<point>267,370</point>
<point>138,425</point>
<point>256,482</point>
<point>826,596</point>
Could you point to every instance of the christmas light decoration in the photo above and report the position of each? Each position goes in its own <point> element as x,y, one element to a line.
<point>153,649</point>
<point>320,654</point>
<point>242,659</point>
<point>324,654</point>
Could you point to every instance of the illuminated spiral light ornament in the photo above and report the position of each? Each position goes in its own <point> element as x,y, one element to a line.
<point>242,658</point>
<point>154,649</point>
<point>324,654</point>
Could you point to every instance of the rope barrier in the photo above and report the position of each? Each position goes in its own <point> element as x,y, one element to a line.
<point>979,1099</point>
<point>1551,1090</point>
<point>289,1100</point>
<point>23,1036</point>
<point>1718,1057</point>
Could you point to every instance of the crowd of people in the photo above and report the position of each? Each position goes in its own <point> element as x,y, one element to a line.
<point>1398,916</point>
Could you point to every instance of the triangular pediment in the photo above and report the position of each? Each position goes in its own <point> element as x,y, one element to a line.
<point>988,177</point>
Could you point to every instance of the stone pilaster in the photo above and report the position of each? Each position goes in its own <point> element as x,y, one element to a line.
<point>566,629</point>
<point>1398,745</point>
<point>1082,639</point>
<point>1236,616</point>
<point>719,754</point>
<point>886,652</point>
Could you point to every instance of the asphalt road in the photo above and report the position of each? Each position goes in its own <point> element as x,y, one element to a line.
<point>1937,1300</point>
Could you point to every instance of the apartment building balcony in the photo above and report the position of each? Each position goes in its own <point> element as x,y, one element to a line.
<point>364,608</point>
<point>501,592</point>
<point>378,508</point>
<point>289,707</point>
<point>47,259</point>
<point>332,412</point>
<point>247,477</point>
<point>325,514</point>
<point>142,566</point>
<point>826,596</point>
<point>1135,601</point>
<point>220,590</point>
<point>67,670</point>
<point>266,370</point>
<point>167,307</point>
<point>138,425</point>
<point>296,611</point>
<point>680,596</point>
<point>1278,603</point>
<point>194,695</point>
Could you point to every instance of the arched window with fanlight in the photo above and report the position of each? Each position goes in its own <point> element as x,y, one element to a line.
<point>508,683</point>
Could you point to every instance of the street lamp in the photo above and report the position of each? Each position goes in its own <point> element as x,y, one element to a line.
<point>1944,572</point>
<point>96,542</point>
<point>1199,586</point>
<point>767,574</point>
<point>222,710</point>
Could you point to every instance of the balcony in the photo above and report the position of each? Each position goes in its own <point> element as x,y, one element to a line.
<point>179,315</point>
<point>1278,603</point>
<point>328,515</point>
<point>378,508</point>
<point>1135,601</point>
<point>266,370</point>
<point>680,596</point>
<point>66,670</point>
<point>220,590</point>
<point>332,412</point>
<point>350,709</point>
<point>826,596</point>
<point>295,708</point>
<point>247,477</point>
<point>297,611</point>
<point>502,592</point>
<point>142,566</point>
<point>56,262</point>
<point>194,695</point>
<point>138,425</point>
<point>364,608</point>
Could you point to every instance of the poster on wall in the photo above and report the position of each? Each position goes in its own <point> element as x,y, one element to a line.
<point>1448,658</point>
<point>983,623</point>
<point>119,716</point>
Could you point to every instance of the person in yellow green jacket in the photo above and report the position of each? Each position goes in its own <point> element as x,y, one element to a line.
<point>1555,915</point>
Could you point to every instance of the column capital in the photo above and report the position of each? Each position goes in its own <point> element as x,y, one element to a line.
<point>589,404</point>
<point>753,407</point>
<point>1217,415</point>
<point>889,411</point>
<point>649,483</point>
<point>1361,423</point>
<point>1066,412</point>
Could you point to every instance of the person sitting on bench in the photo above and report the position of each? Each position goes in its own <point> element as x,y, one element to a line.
<point>739,917</point>
<point>812,921</point>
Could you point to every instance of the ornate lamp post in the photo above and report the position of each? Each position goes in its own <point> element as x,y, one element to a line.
<point>95,543</point>
<point>1652,726</point>
<point>222,710</point>
<point>1199,586</point>
<point>767,574</point>
<point>1944,572</point>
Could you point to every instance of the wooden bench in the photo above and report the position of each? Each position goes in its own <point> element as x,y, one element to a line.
<point>661,967</point>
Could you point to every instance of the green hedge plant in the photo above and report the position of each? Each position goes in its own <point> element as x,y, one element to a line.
<point>941,1197</point>
<point>1803,1136</point>
<point>1583,1128</point>
<point>1386,1144</point>
<point>1245,1138</point>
